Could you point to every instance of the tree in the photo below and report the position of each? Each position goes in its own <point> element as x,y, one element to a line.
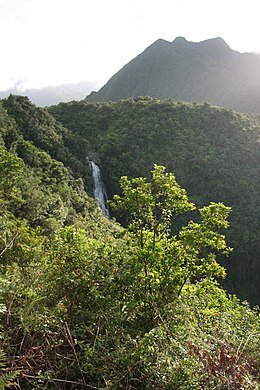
<point>167,262</point>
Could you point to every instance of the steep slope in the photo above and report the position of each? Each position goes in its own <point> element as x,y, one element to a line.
<point>205,71</point>
<point>92,305</point>
<point>214,152</point>
<point>34,186</point>
<point>36,125</point>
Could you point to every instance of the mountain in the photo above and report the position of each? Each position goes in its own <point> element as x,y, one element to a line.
<point>206,71</point>
<point>214,152</point>
<point>48,96</point>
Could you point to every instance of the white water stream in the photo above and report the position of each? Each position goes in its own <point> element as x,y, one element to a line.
<point>99,188</point>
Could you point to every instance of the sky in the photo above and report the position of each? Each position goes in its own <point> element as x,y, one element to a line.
<point>50,42</point>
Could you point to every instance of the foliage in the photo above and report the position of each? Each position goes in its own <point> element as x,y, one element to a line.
<point>168,261</point>
<point>85,303</point>
<point>96,306</point>
<point>213,151</point>
<point>33,185</point>
<point>43,131</point>
<point>6,378</point>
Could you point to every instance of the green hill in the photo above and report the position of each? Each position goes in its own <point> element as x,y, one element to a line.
<point>214,152</point>
<point>206,71</point>
<point>87,303</point>
<point>34,185</point>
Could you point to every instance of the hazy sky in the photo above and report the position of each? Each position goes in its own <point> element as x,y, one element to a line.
<point>49,42</point>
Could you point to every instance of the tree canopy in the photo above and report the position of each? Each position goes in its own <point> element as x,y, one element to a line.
<point>213,151</point>
<point>88,303</point>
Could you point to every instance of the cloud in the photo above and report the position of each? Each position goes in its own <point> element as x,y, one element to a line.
<point>18,85</point>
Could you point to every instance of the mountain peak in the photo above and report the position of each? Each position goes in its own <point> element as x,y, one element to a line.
<point>216,42</point>
<point>191,71</point>
<point>214,47</point>
<point>180,40</point>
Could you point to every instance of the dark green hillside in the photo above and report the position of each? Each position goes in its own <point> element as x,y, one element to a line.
<point>86,303</point>
<point>34,186</point>
<point>214,152</point>
<point>40,128</point>
<point>205,71</point>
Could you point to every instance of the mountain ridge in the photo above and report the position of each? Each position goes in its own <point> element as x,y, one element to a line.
<point>189,71</point>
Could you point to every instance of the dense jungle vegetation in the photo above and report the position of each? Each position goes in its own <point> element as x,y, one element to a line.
<point>214,152</point>
<point>87,303</point>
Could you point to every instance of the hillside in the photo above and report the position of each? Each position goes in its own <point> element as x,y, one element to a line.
<point>34,186</point>
<point>206,71</point>
<point>48,96</point>
<point>214,152</point>
<point>87,303</point>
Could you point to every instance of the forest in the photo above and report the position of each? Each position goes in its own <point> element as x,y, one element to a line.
<point>214,153</point>
<point>161,296</point>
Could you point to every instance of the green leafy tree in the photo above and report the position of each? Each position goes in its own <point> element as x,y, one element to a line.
<point>167,262</point>
<point>99,306</point>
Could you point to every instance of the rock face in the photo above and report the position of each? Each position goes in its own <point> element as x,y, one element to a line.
<point>206,71</point>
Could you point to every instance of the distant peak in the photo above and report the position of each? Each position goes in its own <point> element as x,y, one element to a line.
<point>158,44</point>
<point>180,43</point>
<point>219,39</point>
<point>216,41</point>
<point>160,41</point>
<point>180,40</point>
<point>215,47</point>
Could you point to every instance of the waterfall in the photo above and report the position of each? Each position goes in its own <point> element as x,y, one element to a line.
<point>99,188</point>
